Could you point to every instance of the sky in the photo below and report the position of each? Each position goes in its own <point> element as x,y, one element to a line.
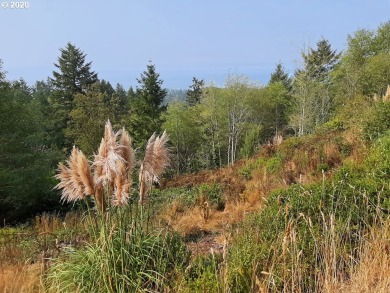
<point>208,39</point>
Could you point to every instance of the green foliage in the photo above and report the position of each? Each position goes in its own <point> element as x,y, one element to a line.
<point>91,110</point>
<point>127,255</point>
<point>147,105</point>
<point>251,141</point>
<point>378,123</point>
<point>26,160</point>
<point>246,170</point>
<point>87,119</point>
<point>365,65</point>
<point>74,77</point>
<point>320,61</point>
<point>270,107</point>
<point>274,164</point>
<point>227,123</point>
<point>212,194</point>
<point>185,132</point>
<point>185,196</point>
<point>194,94</point>
<point>279,75</point>
<point>312,88</point>
<point>286,238</point>
<point>203,274</point>
<point>332,125</point>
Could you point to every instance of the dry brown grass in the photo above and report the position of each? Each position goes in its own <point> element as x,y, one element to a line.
<point>192,219</point>
<point>25,253</point>
<point>372,274</point>
<point>20,278</point>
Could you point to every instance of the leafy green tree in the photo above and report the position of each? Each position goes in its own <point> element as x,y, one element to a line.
<point>237,110</point>
<point>147,105</point>
<point>312,87</point>
<point>26,160</point>
<point>194,94</point>
<point>251,141</point>
<point>280,75</point>
<point>273,110</point>
<point>120,105</point>
<point>214,124</point>
<point>121,92</point>
<point>305,95</point>
<point>364,68</point>
<point>184,126</point>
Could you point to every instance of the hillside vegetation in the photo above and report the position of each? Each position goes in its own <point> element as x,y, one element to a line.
<point>276,188</point>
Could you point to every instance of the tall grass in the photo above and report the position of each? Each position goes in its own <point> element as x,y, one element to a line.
<point>126,254</point>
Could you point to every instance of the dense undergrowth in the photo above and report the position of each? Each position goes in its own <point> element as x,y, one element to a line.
<point>305,234</point>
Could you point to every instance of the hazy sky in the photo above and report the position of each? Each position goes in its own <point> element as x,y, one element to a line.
<point>184,38</point>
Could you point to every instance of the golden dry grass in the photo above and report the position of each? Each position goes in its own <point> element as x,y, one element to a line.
<point>372,274</point>
<point>20,278</point>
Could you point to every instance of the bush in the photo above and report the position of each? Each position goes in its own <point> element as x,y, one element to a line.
<point>203,274</point>
<point>378,123</point>
<point>212,194</point>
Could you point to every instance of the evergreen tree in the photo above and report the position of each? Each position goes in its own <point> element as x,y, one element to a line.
<point>74,77</point>
<point>147,105</point>
<point>106,87</point>
<point>130,93</point>
<point>279,75</point>
<point>122,104</point>
<point>88,118</point>
<point>121,92</point>
<point>26,161</point>
<point>320,62</point>
<point>195,92</point>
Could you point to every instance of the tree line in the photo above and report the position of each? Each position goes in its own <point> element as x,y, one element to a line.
<point>211,127</point>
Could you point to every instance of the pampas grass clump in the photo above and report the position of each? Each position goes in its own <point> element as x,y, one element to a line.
<point>108,178</point>
<point>127,254</point>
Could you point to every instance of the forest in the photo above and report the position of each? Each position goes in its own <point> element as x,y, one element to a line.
<point>321,131</point>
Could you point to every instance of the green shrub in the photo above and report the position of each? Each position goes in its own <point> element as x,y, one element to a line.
<point>274,164</point>
<point>378,123</point>
<point>203,274</point>
<point>213,194</point>
<point>246,170</point>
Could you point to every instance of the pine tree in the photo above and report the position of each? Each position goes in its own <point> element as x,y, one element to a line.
<point>74,77</point>
<point>320,62</point>
<point>147,105</point>
<point>106,87</point>
<point>195,92</point>
<point>279,75</point>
